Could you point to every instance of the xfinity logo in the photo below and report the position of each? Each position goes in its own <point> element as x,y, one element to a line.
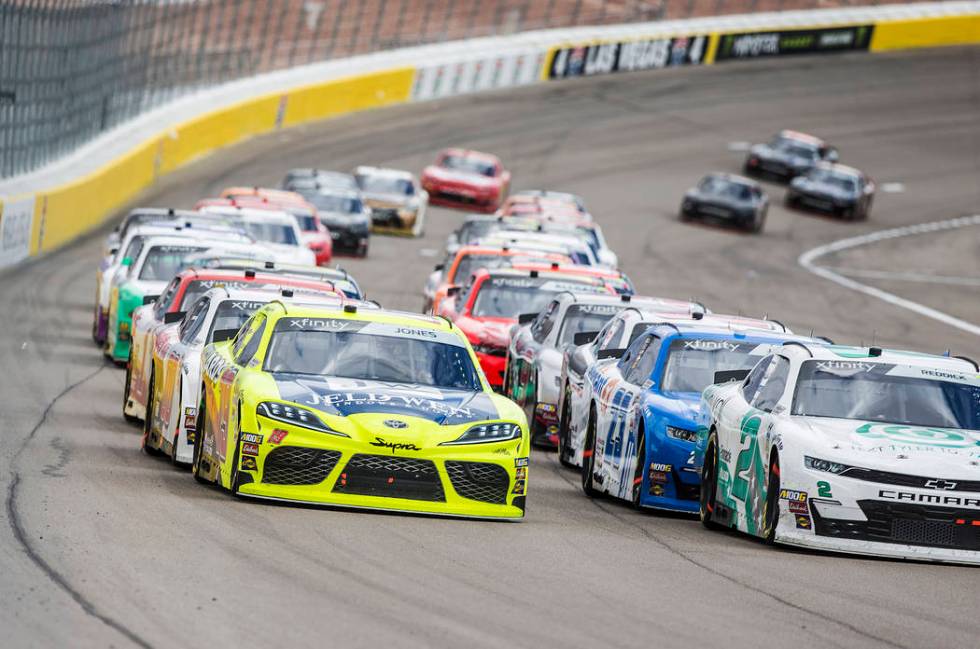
<point>929,498</point>
<point>710,345</point>
<point>940,484</point>
<point>830,366</point>
<point>394,446</point>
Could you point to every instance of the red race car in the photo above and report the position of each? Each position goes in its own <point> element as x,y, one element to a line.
<point>466,179</point>
<point>491,302</point>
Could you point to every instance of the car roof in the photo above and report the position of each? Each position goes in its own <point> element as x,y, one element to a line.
<point>837,167</point>
<point>635,301</point>
<point>891,356</point>
<point>719,330</point>
<point>801,137</point>
<point>735,178</point>
<point>252,214</point>
<point>469,153</point>
<point>516,272</point>
<point>372,314</point>
<point>384,171</point>
<point>270,294</point>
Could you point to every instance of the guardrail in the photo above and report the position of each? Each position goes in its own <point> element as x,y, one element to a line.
<point>52,206</point>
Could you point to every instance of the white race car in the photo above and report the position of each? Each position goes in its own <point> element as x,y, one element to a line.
<point>849,449</point>
<point>275,230</point>
<point>175,389</point>
<point>534,357</point>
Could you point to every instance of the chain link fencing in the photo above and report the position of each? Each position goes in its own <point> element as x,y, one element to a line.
<point>71,69</point>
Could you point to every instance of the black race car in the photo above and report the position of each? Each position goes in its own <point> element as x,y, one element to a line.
<point>729,197</point>
<point>833,188</point>
<point>787,155</point>
<point>344,213</point>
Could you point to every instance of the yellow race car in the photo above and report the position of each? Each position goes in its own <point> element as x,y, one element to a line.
<point>359,408</point>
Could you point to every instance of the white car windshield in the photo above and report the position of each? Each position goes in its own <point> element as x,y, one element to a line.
<point>886,392</point>
<point>469,165</point>
<point>385,185</point>
<point>272,232</point>
<point>692,362</point>
<point>510,297</point>
<point>580,318</point>
<point>163,262</point>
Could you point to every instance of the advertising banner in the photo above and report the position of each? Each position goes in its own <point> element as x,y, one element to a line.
<point>16,221</point>
<point>798,41</point>
<point>627,56</point>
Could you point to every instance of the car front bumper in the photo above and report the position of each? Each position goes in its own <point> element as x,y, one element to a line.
<point>473,480</point>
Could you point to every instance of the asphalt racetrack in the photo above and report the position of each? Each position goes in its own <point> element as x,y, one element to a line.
<point>103,546</point>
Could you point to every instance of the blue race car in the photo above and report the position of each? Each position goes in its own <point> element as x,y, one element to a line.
<point>647,405</point>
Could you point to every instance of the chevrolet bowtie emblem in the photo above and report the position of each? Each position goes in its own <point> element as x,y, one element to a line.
<point>940,484</point>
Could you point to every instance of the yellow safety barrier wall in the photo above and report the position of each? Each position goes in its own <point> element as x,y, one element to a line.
<point>32,225</point>
<point>926,32</point>
<point>65,212</point>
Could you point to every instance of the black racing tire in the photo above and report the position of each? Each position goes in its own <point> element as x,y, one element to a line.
<point>180,415</point>
<point>199,444</point>
<point>564,452</point>
<point>757,223</point>
<point>683,215</point>
<point>146,443</point>
<point>588,459</point>
<point>233,479</point>
<point>130,419</point>
<point>636,489</point>
<point>709,484</point>
<point>771,513</point>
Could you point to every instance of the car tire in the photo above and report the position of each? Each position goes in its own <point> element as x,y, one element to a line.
<point>771,513</point>
<point>130,419</point>
<point>146,443</point>
<point>233,482</point>
<point>636,489</point>
<point>180,416</point>
<point>709,484</point>
<point>588,459</point>
<point>199,444</point>
<point>564,452</point>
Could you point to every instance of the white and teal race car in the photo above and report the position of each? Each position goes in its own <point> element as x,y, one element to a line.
<point>849,449</point>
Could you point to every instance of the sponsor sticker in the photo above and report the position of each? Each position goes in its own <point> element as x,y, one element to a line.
<point>796,41</point>
<point>790,494</point>
<point>796,507</point>
<point>519,487</point>
<point>249,448</point>
<point>276,436</point>
<point>248,463</point>
<point>520,473</point>
<point>252,438</point>
<point>802,522</point>
<point>520,461</point>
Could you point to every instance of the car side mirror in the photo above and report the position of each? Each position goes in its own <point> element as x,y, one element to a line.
<point>525,318</point>
<point>113,250</point>
<point>726,376</point>
<point>173,316</point>
<point>584,337</point>
<point>221,335</point>
<point>150,299</point>
<point>127,261</point>
<point>831,155</point>
<point>610,353</point>
<point>439,267</point>
<point>452,290</point>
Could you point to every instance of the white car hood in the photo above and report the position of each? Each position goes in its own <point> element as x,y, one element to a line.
<point>916,450</point>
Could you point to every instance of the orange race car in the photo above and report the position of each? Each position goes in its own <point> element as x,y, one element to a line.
<point>468,259</point>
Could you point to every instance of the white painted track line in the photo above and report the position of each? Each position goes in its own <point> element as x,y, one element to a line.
<point>807,260</point>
